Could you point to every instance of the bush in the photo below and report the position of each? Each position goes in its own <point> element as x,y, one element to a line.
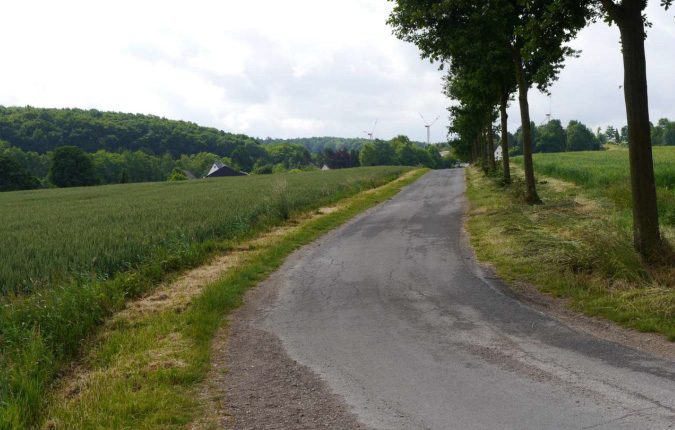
<point>72,167</point>
<point>14,177</point>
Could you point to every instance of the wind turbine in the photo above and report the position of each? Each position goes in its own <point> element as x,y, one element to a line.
<point>370,135</point>
<point>550,105</point>
<point>428,127</point>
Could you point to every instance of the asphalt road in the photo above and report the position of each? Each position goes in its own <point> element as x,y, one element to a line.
<point>393,314</point>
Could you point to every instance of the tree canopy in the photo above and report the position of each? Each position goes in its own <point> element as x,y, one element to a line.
<point>14,177</point>
<point>72,167</point>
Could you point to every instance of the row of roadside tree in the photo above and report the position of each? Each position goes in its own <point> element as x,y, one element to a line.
<point>495,49</point>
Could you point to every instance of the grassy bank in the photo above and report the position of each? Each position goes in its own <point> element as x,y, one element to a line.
<point>151,232</point>
<point>576,245</point>
<point>607,174</point>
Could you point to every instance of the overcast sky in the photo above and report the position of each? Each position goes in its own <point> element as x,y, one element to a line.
<point>294,68</point>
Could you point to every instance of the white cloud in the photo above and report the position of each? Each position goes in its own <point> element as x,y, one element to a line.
<point>282,69</point>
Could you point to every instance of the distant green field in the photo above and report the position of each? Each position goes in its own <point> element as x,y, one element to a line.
<point>51,236</point>
<point>608,172</point>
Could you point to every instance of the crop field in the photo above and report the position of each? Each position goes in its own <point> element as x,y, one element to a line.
<point>72,257</point>
<point>51,236</point>
<point>608,173</point>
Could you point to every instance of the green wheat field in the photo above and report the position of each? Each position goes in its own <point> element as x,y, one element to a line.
<point>607,172</point>
<point>53,236</point>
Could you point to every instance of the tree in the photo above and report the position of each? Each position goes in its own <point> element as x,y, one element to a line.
<point>177,175</point>
<point>551,137</point>
<point>534,33</point>
<point>658,130</point>
<point>669,135</point>
<point>71,167</point>
<point>124,177</point>
<point>612,134</point>
<point>581,138</point>
<point>406,155</point>
<point>368,155</point>
<point>435,156</point>
<point>628,15</point>
<point>602,137</point>
<point>624,135</point>
<point>14,177</point>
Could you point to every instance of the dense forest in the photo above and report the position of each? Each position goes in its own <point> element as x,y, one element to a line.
<point>42,130</point>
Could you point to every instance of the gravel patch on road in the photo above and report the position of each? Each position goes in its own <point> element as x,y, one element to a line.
<point>263,387</point>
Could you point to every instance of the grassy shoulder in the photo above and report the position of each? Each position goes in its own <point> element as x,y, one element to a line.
<point>145,367</point>
<point>576,245</point>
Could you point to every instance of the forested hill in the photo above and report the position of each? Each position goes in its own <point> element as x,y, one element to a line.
<point>42,130</point>
<point>316,145</point>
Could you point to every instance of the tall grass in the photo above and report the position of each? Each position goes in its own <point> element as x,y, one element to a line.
<point>608,172</point>
<point>75,256</point>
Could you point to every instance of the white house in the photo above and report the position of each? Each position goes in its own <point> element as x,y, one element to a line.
<point>498,153</point>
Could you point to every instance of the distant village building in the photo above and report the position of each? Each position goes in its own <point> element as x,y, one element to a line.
<point>325,167</point>
<point>498,153</point>
<point>219,170</point>
<point>444,153</point>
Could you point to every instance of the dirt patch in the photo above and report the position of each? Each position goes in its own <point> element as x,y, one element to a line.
<point>558,185</point>
<point>399,179</point>
<point>254,384</point>
<point>178,294</point>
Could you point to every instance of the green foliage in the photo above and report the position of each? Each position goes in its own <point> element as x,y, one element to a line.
<point>340,159</point>
<point>14,177</point>
<point>114,243</point>
<point>664,133</point>
<point>406,155</point>
<point>263,169</point>
<point>580,138</point>
<point>71,167</point>
<point>290,155</point>
<point>177,175</point>
<point>317,145</point>
<point>124,177</point>
<point>550,137</point>
<point>43,130</point>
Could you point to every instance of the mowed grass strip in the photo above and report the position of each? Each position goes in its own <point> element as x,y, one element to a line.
<point>608,174</point>
<point>150,232</point>
<point>146,369</point>
<point>575,246</point>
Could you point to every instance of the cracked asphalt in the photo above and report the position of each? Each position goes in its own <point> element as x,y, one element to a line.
<point>397,319</point>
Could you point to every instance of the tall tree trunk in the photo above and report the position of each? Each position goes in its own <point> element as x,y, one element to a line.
<point>646,234</point>
<point>491,143</point>
<point>531,196</point>
<point>505,140</point>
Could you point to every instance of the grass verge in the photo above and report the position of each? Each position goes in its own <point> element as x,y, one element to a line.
<point>572,246</point>
<point>144,369</point>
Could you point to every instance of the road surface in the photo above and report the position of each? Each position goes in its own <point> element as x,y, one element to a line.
<point>392,314</point>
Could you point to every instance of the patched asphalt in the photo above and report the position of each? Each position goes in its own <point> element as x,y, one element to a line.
<point>394,315</point>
